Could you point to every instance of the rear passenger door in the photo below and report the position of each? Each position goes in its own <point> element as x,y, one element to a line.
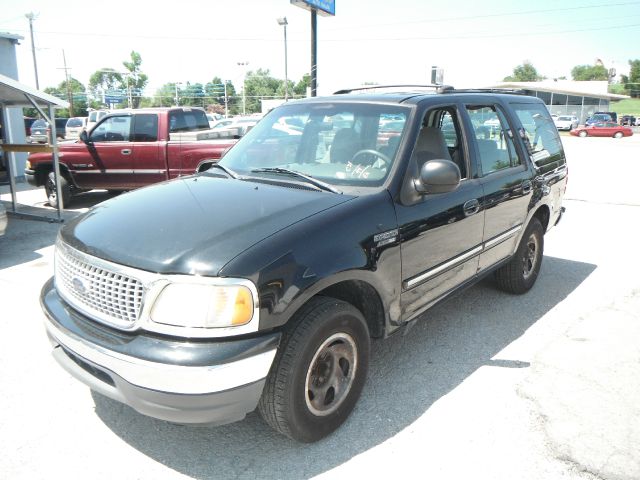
<point>149,162</point>
<point>506,181</point>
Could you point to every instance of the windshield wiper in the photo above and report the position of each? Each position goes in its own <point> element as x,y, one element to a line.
<point>226,170</point>
<point>313,181</point>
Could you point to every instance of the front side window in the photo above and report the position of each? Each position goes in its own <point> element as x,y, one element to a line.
<point>340,144</point>
<point>494,139</point>
<point>112,129</point>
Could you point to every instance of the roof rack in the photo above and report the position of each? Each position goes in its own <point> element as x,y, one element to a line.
<point>436,88</point>
<point>514,91</point>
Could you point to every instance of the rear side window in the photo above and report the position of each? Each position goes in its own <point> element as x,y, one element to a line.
<point>540,135</point>
<point>74,122</point>
<point>145,128</point>
<point>187,120</point>
<point>494,139</point>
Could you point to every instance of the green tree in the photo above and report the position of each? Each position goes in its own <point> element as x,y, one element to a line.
<point>260,85</point>
<point>633,81</point>
<point>524,73</point>
<point>76,91</point>
<point>100,82</point>
<point>214,94</point>
<point>589,72</point>
<point>300,89</point>
<point>165,96</point>
<point>134,79</point>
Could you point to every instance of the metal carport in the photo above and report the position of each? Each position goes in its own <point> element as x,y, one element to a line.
<point>15,94</point>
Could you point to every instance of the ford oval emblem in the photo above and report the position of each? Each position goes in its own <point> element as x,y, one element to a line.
<point>79,285</point>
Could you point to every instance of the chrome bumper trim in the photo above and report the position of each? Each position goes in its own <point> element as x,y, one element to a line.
<point>165,377</point>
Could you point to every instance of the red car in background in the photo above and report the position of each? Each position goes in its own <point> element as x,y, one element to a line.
<point>602,129</point>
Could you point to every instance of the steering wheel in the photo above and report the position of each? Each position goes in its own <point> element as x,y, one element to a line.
<point>370,151</point>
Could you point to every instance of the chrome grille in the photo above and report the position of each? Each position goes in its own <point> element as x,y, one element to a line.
<point>97,288</point>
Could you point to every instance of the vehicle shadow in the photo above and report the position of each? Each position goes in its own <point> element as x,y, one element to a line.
<point>24,235</point>
<point>408,373</point>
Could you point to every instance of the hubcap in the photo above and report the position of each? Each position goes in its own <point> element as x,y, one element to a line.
<point>530,257</point>
<point>331,374</point>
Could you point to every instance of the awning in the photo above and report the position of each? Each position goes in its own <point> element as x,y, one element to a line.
<point>14,94</point>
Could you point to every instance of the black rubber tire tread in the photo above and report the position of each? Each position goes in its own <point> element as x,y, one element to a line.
<point>65,189</point>
<point>276,405</point>
<point>510,277</point>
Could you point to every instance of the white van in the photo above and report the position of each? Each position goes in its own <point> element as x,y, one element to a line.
<point>94,117</point>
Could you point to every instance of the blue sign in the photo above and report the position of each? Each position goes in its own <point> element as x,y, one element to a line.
<point>324,7</point>
<point>108,99</point>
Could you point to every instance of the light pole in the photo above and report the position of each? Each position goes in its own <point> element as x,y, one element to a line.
<point>31,17</point>
<point>283,21</point>
<point>177,98</point>
<point>244,94</point>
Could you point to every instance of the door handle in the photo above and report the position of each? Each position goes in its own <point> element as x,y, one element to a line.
<point>471,207</point>
<point>125,151</point>
<point>526,187</point>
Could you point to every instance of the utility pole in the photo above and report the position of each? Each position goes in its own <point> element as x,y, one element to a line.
<point>31,17</point>
<point>66,76</point>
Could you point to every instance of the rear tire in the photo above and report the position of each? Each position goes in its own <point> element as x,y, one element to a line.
<point>50,190</point>
<point>319,370</point>
<point>519,275</point>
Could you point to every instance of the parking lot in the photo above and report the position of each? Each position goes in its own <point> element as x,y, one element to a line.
<point>540,386</point>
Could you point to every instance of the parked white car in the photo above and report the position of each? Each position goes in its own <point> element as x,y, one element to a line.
<point>3,219</point>
<point>94,117</point>
<point>566,122</point>
<point>75,126</point>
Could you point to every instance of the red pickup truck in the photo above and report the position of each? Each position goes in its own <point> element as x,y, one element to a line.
<point>131,149</point>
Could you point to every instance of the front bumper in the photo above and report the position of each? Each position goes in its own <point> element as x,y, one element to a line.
<point>182,381</point>
<point>30,176</point>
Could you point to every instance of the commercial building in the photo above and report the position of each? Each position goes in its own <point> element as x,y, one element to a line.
<point>566,97</point>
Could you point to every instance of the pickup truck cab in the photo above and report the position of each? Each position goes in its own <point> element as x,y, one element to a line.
<point>260,282</point>
<point>129,149</point>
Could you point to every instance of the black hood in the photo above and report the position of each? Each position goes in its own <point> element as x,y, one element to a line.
<point>193,225</point>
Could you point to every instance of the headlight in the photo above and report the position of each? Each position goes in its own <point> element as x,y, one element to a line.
<point>203,306</point>
<point>27,165</point>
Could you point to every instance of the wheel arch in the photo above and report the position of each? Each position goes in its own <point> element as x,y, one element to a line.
<point>543,213</point>
<point>362,296</point>
<point>42,171</point>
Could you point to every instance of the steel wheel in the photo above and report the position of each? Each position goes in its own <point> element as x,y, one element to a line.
<point>583,133</point>
<point>618,135</point>
<point>331,374</point>
<point>319,370</point>
<point>531,256</point>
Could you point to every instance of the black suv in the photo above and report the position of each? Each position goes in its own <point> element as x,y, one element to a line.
<point>260,281</point>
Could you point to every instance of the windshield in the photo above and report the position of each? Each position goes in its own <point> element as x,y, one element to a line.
<point>337,143</point>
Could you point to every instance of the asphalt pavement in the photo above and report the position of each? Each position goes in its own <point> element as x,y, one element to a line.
<point>488,386</point>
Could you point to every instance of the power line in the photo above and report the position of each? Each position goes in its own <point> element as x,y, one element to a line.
<point>491,15</point>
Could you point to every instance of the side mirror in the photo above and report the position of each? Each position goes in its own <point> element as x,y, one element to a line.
<point>84,137</point>
<point>437,176</point>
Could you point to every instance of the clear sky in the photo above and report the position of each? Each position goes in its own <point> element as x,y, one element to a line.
<point>382,41</point>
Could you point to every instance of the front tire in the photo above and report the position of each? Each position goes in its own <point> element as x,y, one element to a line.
<point>618,135</point>
<point>50,190</point>
<point>583,133</point>
<point>319,370</point>
<point>519,275</point>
